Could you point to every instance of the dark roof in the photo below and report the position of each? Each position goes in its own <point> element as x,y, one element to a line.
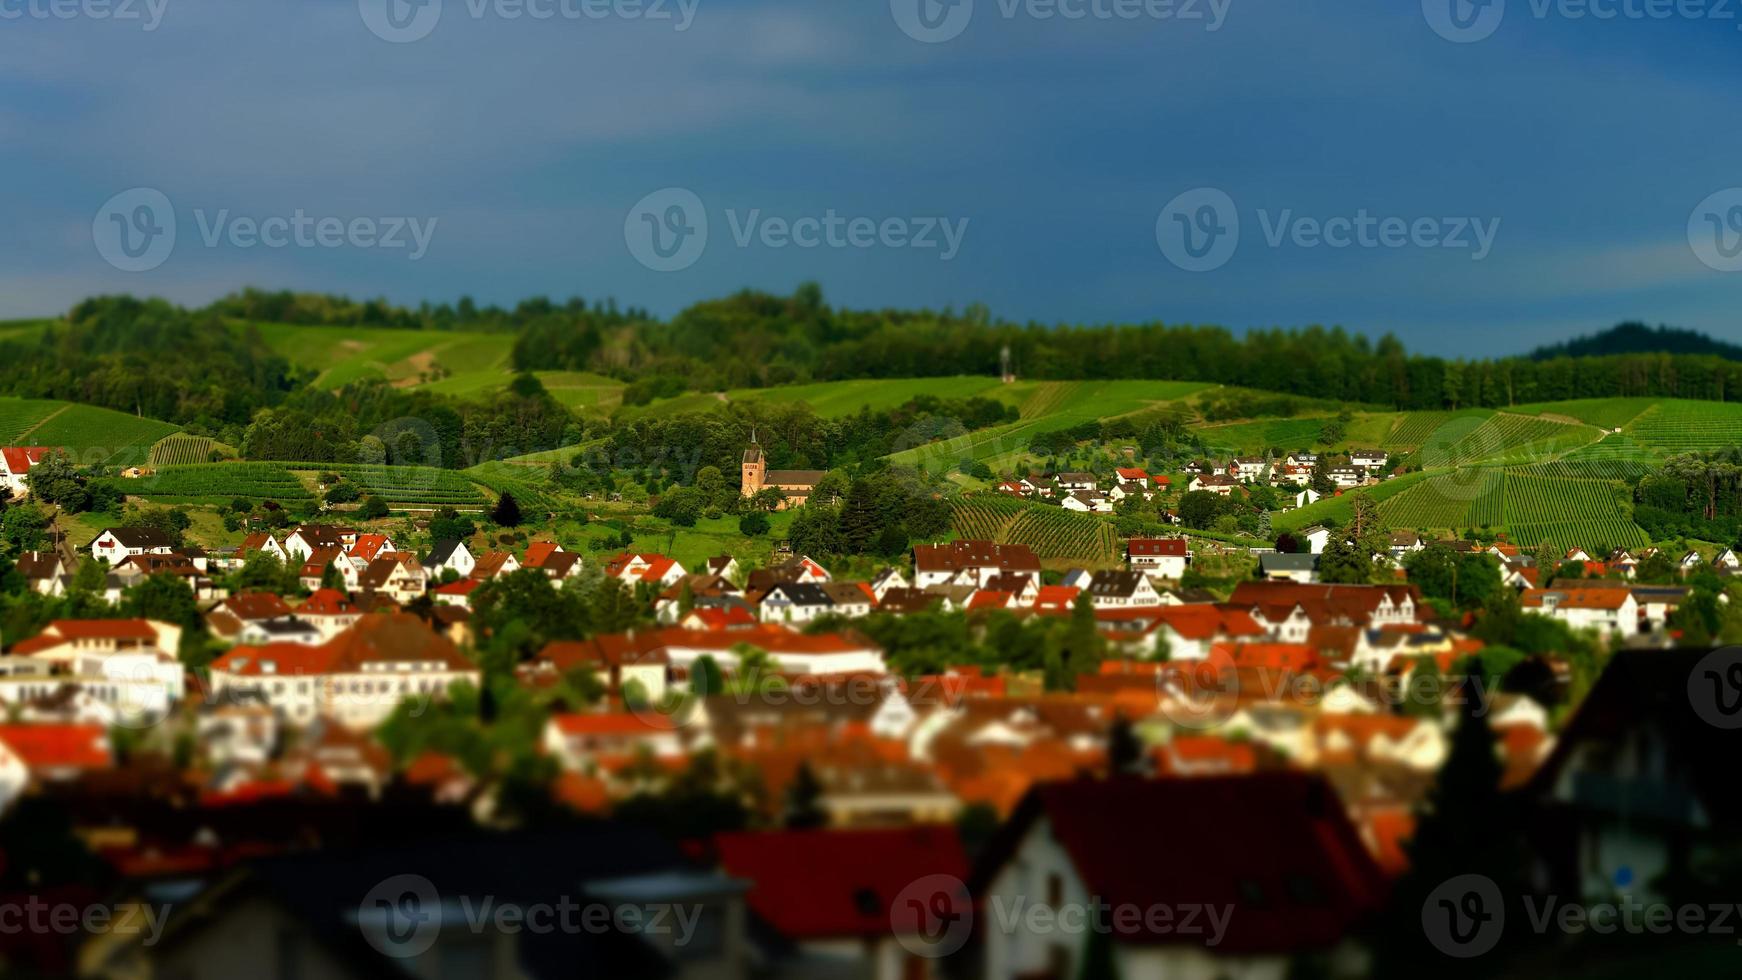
<point>1276,849</point>
<point>801,593</point>
<point>1279,562</point>
<point>441,551</point>
<point>321,890</point>
<point>793,478</point>
<point>1115,583</point>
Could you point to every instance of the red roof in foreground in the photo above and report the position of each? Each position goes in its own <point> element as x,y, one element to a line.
<point>57,746</point>
<point>814,884</point>
<point>1275,849</point>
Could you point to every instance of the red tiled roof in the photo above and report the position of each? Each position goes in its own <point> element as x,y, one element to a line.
<point>815,884</point>
<point>57,746</point>
<point>1157,547</point>
<point>538,551</point>
<point>327,602</point>
<point>375,638</point>
<point>103,629</point>
<point>19,459</point>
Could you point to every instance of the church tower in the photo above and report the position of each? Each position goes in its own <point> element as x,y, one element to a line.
<point>754,469</point>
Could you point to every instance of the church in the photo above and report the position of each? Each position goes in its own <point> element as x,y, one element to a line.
<point>796,484</point>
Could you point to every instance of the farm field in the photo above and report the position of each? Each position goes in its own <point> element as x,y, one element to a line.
<point>1047,406</point>
<point>1503,436</point>
<point>406,487</point>
<point>1058,536</point>
<point>219,483</point>
<point>1531,503</point>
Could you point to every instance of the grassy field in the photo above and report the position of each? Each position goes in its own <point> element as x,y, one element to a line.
<point>460,363</point>
<point>1046,406</point>
<point>219,483</point>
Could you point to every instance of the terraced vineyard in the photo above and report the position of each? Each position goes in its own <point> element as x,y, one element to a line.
<point>1056,535</point>
<point>19,415</point>
<point>1469,498</point>
<point>1683,426</point>
<point>219,483</point>
<point>1507,437</point>
<point>414,487</point>
<point>528,484</point>
<point>1531,503</point>
<point>181,450</point>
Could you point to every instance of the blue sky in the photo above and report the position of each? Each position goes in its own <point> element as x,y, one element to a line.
<point>1585,145</point>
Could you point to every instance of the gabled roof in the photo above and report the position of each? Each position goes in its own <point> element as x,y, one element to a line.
<point>1115,584</point>
<point>1275,848</point>
<point>442,551</point>
<point>19,459</point>
<point>370,546</point>
<point>799,593</point>
<point>138,537</point>
<point>538,551</point>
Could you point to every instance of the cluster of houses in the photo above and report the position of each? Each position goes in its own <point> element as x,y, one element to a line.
<point>1279,714</point>
<point>1085,492</point>
<point>1364,468</point>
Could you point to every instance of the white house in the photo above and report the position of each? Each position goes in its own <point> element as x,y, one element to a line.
<point>1605,609</point>
<point>1166,558</point>
<point>1122,590</point>
<point>117,543</point>
<point>357,678</point>
<point>15,464</point>
<point>794,602</point>
<point>450,554</point>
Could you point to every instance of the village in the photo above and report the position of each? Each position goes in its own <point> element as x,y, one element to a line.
<point>344,684</point>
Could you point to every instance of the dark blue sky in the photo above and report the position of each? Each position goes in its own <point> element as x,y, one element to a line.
<point>1056,149</point>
